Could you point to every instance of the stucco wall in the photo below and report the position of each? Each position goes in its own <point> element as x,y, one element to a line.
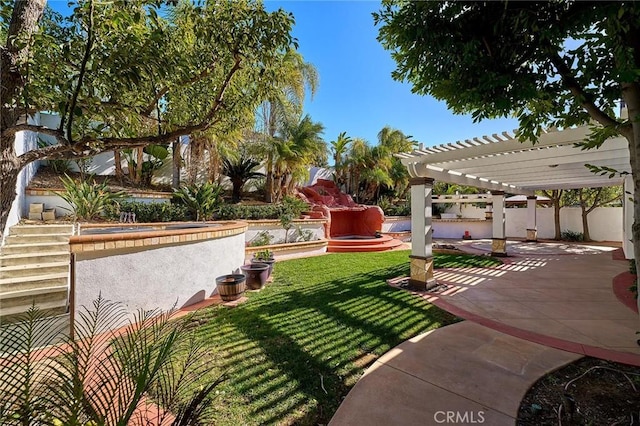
<point>605,223</point>
<point>150,278</point>
<point>277,232</point>
<point>456,228</point>
<point>24,141</point>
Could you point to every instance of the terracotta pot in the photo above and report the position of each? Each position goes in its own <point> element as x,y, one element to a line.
<point>269,262</point>
<point>231,287</point>
<point>257,274</point>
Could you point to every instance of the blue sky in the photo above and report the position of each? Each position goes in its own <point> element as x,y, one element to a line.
<point>356,93</point>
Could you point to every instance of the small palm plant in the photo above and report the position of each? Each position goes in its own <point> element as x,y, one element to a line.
<point>88,200</point>
<point>240,171</point>
<point>102,377</point>
<point>201,200</point>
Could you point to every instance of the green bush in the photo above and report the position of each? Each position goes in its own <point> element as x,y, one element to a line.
<point>150,212</point>
<point>391,209</point>
<point>88,200</point>
<point>201,200</point>
<point>572,236</point>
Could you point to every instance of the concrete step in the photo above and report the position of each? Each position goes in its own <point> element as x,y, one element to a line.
<point>57,294</point>
<point>35,281</point>
<point>33,258</point>
<point>36,248</point>
<point>53,307</point>
<point>36,238</point>
<point>33,269</point>
<point>41,229</point>
<point>57,327</point>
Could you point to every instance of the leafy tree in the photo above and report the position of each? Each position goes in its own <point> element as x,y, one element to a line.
<point>550,63</point>
<point>281,109</point>
<point>239,172</point>
<point>113,70</point>
<point>589,199</point>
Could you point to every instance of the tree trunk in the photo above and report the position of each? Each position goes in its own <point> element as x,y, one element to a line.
<point>117,162</point>
<point>9,170</point>
<point>236,194</point>
<point>268,187</point>
<point>177,160</point>
<point>585,224</point>
<point>139,161</point>
<point>556,219</point>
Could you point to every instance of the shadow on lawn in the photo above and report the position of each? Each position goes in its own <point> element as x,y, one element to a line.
<point>292,341</point>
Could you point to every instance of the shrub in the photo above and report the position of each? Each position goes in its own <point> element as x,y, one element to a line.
<point>572,236</point>
<point>150,212</point>
<point>88,200</point>
<point>201,200</point>
<point>262,239</point>
<point>391,209</point>
<point>151,355</point>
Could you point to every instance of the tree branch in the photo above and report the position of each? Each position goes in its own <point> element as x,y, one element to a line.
<point>93,146</point>
<point>585,99</point>
<point>11,131</point>
<point>152,105</point>
<point>83,70</point>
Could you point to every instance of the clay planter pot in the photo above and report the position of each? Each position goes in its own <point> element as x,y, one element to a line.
<point>257,274</point>
<point>231,287</point>
<point>269,262</point>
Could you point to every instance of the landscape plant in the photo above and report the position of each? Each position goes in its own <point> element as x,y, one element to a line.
<point>88,199</point>
<point>239,171</point>
<point>103,377</point>
<point>202,200</point>
<point>149,212</point>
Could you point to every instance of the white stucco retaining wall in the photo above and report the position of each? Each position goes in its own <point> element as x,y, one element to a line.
<point>277,232</point>
<point>24,141</point>
<point>156,277</point>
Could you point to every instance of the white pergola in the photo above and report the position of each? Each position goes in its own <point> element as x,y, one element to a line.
<point>502,164</point>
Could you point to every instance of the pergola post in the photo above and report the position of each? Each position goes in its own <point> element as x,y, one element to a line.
<point>532,228</point>
<point>421,257</point>
<point>499,240</point>
<point>627,217</point>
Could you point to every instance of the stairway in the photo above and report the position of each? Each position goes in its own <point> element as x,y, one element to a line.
<point>34,268</point>
<point>356,243</point>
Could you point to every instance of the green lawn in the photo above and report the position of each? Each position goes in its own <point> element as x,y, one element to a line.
<point>321,323</point>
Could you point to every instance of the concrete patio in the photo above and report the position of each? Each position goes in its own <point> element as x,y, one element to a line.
<point>548,305</point>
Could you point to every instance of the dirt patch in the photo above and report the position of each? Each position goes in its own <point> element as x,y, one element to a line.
<point>46,178</point>
<point>589,391</point>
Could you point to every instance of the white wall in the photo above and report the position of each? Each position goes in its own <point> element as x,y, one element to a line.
<point>605,223</point>
<point>278,233</point>
<point>24,141</point>
<point>158,277</point>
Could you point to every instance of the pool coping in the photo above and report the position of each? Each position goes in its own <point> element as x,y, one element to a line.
<point>157,237</point>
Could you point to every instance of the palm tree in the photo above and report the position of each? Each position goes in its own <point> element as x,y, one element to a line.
<point>239,172</point>
<point>292,76</point>
<point>355,163</point>
<point>338,149</point>
<point>293,153</point>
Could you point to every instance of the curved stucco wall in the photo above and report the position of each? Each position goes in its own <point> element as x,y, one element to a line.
<point>156,276</point>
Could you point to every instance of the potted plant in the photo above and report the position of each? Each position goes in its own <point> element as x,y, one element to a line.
<point>264,256</point>
<point>257,275</point>
<point>231,287</point>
